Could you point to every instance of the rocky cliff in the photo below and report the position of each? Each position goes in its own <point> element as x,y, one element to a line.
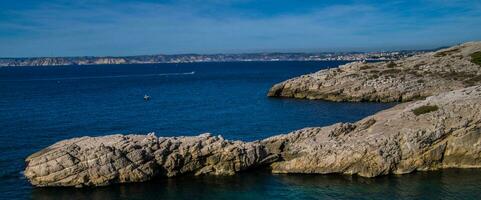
<point>441,131</point>
<point>407,79</point>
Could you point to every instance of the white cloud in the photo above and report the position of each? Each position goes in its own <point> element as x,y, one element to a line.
<point>149,28</point>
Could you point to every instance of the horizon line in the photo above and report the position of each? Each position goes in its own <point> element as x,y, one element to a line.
<point>243,53</point>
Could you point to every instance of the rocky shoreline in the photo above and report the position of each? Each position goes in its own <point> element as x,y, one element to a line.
<point>404,80</point>
<point>395,141</point>
<point>95,161</point>
<point>440,131</point>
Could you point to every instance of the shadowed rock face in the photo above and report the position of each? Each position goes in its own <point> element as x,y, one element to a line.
<point>392,141</point>
<point>407,79</point>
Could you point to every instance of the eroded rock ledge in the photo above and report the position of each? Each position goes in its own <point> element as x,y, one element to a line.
<point>445,132</point>
<point>404,80</point>
<point>134,158</point>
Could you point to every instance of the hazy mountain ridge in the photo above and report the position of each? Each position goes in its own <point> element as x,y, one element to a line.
<point>189,58</point>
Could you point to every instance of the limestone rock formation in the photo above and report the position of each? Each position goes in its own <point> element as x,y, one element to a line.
<point>399,140</point>
<point>442,131</point>
<point>407,79</point>
<point>94,161</point>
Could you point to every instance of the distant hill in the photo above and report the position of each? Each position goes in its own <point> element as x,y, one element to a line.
<point>189,58</point>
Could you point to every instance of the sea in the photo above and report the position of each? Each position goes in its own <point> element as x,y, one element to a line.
<point>42,105</point>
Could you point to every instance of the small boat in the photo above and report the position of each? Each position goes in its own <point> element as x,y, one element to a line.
<point>146,97</point>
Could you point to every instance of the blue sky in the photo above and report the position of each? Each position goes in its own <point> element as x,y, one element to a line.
<point>137,27</point>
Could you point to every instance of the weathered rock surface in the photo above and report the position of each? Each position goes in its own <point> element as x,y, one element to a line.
<point>92,161</point>
<point>403,80</point>
<point>392,141</point>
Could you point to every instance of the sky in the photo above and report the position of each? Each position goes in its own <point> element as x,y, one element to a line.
<point>32,28</point>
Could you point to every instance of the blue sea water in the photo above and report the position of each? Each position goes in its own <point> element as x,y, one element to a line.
<point>42,105</point>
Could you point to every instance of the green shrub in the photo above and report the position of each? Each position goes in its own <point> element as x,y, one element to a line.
<point>364,67</point>
<point>391,64</point>
<point>425,109</point>
<point>476,58</point>
<point>391,71</point>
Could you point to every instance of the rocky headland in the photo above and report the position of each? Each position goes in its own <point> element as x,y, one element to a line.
<point>443,131</point>
<point>440,131</point>
<point>93,161</point>
<point>403,80</point>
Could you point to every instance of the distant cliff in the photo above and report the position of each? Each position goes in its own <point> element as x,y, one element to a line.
<point>189,58</point>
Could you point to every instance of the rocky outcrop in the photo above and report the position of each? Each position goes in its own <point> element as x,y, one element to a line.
<point>94,161</point>
<point>441,131</point>
<point>400,140</point>
<point>407,79</point>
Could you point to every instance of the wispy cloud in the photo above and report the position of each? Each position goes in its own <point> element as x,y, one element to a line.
<point>130,27</point>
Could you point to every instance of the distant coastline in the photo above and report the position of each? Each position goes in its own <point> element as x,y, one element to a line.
<point>192,58</point>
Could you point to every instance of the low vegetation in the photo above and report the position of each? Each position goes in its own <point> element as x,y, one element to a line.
<point>414,73</point>
<point>473,81</point>
<point>419,65</point>
<point>445,53</point>
<point>391,64</point>
<point>374,76</point>
<point>364,67</point>
<point>476,58</point>
<point>425,109</point>
<point>391,71</point>
<point>468,78</point>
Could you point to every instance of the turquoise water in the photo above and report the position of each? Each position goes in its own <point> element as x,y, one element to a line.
<point>42,105</point>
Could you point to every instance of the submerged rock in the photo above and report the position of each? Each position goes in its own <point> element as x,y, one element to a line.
<point>407,79</point>
<point>396,141</point>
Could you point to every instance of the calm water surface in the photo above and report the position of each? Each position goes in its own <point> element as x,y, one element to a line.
<point>42,105</point>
